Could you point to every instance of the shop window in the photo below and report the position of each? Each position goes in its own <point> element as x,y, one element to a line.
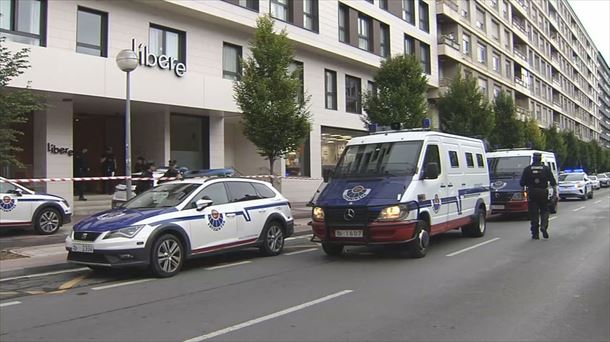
<point>333,141</point>
<point>91,32</point>
<point>330,89</point>
<point>167,41</point>
<point>353,88</point>
<point>231,56</point>
<point>24,21</point>
<point>297,162</point>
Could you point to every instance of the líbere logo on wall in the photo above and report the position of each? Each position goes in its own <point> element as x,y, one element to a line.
<point>436,203</point>
<point>216,220</point>
<point>8,203</point>
<point>356,193</point>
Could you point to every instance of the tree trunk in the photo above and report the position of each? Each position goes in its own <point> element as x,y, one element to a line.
<point>271,162</point>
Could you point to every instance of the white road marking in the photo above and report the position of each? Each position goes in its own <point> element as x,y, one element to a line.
<point>577,209</point>
<point>227,265</point>
<point>45,274</point>
<point>9,303</point>
<point>302,251</point>
<point>473,247</point>
<point>298,237</point>
<point>597,202</point>
<point>267,317</point>
<point>552,218</point>
<point>121,284</point>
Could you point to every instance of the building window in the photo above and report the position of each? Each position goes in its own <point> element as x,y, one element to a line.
<point>424,57</point>
<point>495,30</point>
<point>280,9</point>
<point>424,17</point>
<point>310,15</point>
<point>408,11</point>
<point>249,4</point>
<point>480,19</point>
<point>296,69</point>
<point>482,53</point>
<point>343,24</point>
<point>409,45</point>
<point>384,40</point>
<point>364,33</point>
<point>383,4</point>
<point>91,32</point>
<point>24,21</point>
<point>166,41</point>
<point>507,39</point>
<point>231,64</point>
<point>483,85</point>
<point>497,90</point>
<point>495,62</point>
<point>505,9</point>
<point>330,86</point>
<point>507,69</point>
<point>353,89</point>
<point>466,44</point>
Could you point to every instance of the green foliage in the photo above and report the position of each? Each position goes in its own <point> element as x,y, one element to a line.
<point>275,116</point>
<point>572,159</point>
<point>401,93</point>
<point>555,143</point>
<point>508,131</point>
<point>464,110</point>
<point>533,135</point>
<point>14,104</point>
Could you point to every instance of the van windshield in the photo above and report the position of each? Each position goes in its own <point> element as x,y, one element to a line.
<point>382,159</point>
<point>507,166</point>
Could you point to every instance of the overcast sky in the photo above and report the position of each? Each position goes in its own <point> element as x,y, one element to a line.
<point>595,17</point>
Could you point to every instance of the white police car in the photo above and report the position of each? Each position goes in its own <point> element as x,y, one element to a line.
<point>575,183</point>
<point>174,221</point>
<point>22,207</point>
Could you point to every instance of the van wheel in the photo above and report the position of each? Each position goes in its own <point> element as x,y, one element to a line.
<point>167,256</point>
<point>418,248</point>
<point>478,227</point>
<point>273,239</point>
<point>332,249</point>
<point>47,221</point>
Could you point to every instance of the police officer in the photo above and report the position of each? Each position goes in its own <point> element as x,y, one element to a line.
<point>536,179</point>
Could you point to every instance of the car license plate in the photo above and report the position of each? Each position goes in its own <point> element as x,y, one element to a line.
<point>348,233</point>
<point>497,207</point>
<point>82,247</point>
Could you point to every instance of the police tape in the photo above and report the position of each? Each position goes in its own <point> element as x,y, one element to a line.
<point>86,179</point>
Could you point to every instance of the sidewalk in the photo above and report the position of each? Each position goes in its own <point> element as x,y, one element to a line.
<point>52,257</point>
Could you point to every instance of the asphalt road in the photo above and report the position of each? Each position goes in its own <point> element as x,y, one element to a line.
<point>508,287</point>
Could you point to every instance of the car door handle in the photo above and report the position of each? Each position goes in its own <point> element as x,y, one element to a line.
<point>463,184</point>
<point>231,215</point>
<point>450,185</point>
<point>443,186</point>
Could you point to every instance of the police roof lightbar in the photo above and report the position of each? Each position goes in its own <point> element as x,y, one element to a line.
<point>426,123</point>
<point>574,171</point>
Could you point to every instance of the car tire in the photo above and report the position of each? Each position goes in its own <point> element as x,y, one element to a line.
<point>585,196</point>
<point>272,239</point>
<point>332,249</point>
<point>47,221</point>
<point>591,195</point>
<point>418,248</point>
<point>167,256</point>
<point>478,227</point>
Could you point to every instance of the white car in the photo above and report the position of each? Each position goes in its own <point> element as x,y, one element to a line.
<point>594,182</point>
<point>575,184</point>
<point>22,207</point>
<point>177,220</point>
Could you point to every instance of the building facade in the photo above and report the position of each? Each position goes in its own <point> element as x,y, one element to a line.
<point>604,101</point>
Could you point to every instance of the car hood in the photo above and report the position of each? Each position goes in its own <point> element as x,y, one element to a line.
<point>377,191</point>
<point>505,185</point>
<point>117,218</point>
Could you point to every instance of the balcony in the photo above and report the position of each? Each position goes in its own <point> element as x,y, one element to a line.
<point>522,113</point>
<point>449,40</point>
<point>449,3</point>
<point>520,26</point>
<point>518,53</point>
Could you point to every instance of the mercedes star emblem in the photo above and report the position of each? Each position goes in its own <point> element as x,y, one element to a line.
<point>349,214</point>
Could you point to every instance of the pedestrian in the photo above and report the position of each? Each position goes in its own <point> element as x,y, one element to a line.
<point>144,185</point>
<point>536,179</point>
<point>81,169</point>
<point>172,172</point>
<point>108,163</point>
<point>140,165</point>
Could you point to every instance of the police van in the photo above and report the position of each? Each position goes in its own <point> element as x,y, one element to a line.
<point>400,187</point>
<point>505,170</point>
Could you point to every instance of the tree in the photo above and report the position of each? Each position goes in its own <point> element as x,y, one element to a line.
<point>275,114</point>
<point>572,146</point>
<point>400,94</point>
<point>14,104</point>
<point>464,110</point>
<point>555,143</point>
<point>533,135</point>
<point>508,131</point>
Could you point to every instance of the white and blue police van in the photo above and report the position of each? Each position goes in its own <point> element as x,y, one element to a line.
<point>505,169</point>
<point>21,207</point>
<point>399,187</point>
<point>177,220</point>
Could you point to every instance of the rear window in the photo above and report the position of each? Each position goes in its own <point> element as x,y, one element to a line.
<point>571,177</point>
<point>264,190</point>
<point>241,191</point>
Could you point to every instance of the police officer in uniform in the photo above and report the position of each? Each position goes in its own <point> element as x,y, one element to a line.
<point>536,179</point>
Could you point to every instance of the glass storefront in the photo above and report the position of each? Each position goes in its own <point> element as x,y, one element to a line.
<point>297,162</point>
<point>333,143</point>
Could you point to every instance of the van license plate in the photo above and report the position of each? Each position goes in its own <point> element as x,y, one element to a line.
<point>497,207</point>
<point>348,233</point>
<point>82,248</point>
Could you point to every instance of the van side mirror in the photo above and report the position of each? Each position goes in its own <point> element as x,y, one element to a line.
<point>431,171</point>
<point>203,203</point>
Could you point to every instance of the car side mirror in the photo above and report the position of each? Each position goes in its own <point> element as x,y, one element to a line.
<point>17,192</point>
<point>203,203</point>
<point>431,171</point>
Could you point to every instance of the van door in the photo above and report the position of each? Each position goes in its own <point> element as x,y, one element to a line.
<point>435,190</point>
<point>454,181</point>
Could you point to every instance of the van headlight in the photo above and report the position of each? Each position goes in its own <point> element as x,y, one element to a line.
<point>127,232</point>
<point>393,213</point>
<point>318,214</point>
<point>519,196</point>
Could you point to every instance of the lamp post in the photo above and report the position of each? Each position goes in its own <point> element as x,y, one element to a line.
<point>127,60</point>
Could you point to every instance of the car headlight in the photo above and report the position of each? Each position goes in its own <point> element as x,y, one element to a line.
<point>127,232</point>
<point>318,214</point>
<point>519,196</point>
<point>393,213</point>
<point>580,185</point>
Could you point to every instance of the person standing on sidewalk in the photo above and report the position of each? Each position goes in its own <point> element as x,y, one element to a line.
<point>108,162</point>
<point>81,169</point>
<point>536,179</point>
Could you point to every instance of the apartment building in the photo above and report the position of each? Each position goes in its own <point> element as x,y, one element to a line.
<point>536,50</point>
<point>182,97</point>
<point>604,100</point>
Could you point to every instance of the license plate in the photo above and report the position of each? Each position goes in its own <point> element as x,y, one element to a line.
<point>497,207</point>
<point>82,247</point>
<point>348,233</point>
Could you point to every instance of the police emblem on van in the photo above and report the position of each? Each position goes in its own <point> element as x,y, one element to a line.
<point>436,203</point>
<point>8,203</point>
<point>497,185</point>
<point>356,193</point>
<point>216,220</point>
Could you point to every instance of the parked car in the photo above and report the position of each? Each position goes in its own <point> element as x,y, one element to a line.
<point>174,221</point>
<point>575,184</point>
<point>594,182</point>
<point>22,207</point>
<point>604,180</point>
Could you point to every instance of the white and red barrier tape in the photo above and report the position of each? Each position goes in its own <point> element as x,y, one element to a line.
<point>84,179</point>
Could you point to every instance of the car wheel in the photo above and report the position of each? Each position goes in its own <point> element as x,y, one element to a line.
<point>273,239</point>
<point>47,221</point>
<point>418,248</point>
<point>332,249</point>
<point>167,256</point>
<point>591,194</point>
<point>476,228</point>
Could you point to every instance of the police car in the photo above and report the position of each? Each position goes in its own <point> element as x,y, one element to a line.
<point>22,207</point>
<point>177,220</point>
<point>575,183</point>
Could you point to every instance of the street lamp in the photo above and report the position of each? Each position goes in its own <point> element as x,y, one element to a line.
<point>127,60</point>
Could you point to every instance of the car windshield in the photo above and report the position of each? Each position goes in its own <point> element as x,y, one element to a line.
<point>507,166</point>
<point>593,178</point>
<point>162,196</point>
<point>571,177</point>
<point>382,159</point>
<point>602,176</point>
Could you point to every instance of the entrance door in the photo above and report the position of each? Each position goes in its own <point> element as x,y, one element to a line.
<point>190,141</point>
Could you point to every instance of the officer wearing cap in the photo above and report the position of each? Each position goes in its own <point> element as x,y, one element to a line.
<point>536,179</point>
